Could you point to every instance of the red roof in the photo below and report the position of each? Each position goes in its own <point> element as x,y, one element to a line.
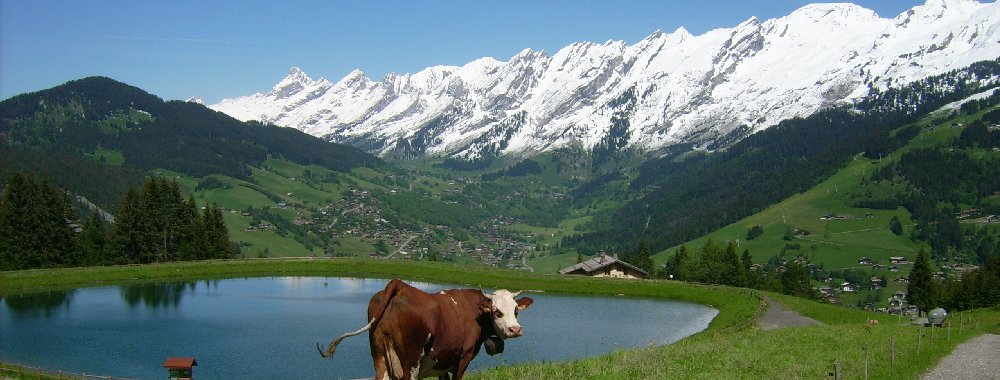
<point>180,363</point>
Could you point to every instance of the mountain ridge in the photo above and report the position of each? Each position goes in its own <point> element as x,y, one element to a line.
<point>97,116</point>
<point>669,88</point>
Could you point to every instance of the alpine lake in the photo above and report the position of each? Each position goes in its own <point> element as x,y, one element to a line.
<point>267,328</point>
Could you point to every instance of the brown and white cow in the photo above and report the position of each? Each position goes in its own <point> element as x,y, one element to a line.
<point>414,334</point>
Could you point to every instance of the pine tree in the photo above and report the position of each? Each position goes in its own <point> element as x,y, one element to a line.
<point>730,266</point>
<point>921,290</point>
<point>127,241</point>
<point>215,236</point>
<point>746,262</point>
<point>895,226</point>
<point>93,242</point>
<point>676,267</point>
<point>15,208</point>
<point>642,258</point>
<point>189,229</point>
<point>56,245</point>
<point>795,281</point>
<point>35,229</point>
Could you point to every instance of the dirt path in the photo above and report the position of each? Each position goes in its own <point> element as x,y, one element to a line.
<point>776,317</point>
<point>975,359</point>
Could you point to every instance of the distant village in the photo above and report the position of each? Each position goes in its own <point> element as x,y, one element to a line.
<point>358,216</point>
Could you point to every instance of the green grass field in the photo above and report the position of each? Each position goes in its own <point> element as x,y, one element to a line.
<point>831,243</point>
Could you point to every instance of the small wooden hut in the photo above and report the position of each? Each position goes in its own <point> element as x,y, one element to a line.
<point>179,368</point>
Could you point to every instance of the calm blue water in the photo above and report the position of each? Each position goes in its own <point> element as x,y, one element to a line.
<point>267,328</point>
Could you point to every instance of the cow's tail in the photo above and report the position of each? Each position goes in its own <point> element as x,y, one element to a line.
<point>390,291</point>
<point>333,346</point>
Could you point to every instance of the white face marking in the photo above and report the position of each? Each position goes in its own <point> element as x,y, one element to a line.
<point>505,314</point>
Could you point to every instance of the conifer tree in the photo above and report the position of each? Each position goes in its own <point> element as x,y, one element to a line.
<point>895,226</point>
<point>745,263</point>
<point>56,240</point>
<point>677,264</point>
<point>642,259</point>
<point>730,266</point>
<point>215,236</point>
<point>14,210</point>
<point>35,229</point>
<point>189,229</point>
<point>921,290</point>
<point>93,242</point>
<point>127,240</point>
<point>795,281</point>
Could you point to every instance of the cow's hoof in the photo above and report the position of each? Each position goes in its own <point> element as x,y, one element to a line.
<point>494,345</point>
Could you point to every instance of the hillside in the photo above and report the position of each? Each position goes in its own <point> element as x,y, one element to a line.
<point>834,226</point>
<point>109,122</point>
<point>684,195</point>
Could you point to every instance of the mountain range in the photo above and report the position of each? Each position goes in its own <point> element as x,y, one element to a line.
<point>710,90</point>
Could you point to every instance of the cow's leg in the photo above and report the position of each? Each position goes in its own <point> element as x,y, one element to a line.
<point>378,357</point>
<point>463,364</point>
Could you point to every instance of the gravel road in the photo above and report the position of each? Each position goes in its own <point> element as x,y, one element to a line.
<point>979,358</point>
<point>776,317</point>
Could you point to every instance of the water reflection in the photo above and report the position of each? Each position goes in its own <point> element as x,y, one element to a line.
<point>41,305</point>
<point>157,295</point>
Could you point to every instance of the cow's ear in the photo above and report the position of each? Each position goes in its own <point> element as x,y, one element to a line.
<point>524,302</point>
<point>486,305</point>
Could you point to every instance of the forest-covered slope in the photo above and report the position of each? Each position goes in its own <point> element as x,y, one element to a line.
<point>100,120</point>
<point>692,195</point>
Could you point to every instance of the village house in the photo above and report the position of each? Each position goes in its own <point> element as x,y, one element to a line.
<point>865,261</point>
<point>847,287</point>
<point>876,282</point>
<point>899,260</point>
<point>603,265</point>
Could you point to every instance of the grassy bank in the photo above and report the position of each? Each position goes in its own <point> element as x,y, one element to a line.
<point>735,305</point>
<point>729,348</point>
<point>892,350</point>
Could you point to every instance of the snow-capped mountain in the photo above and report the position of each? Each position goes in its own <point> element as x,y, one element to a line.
<point>710,89</point>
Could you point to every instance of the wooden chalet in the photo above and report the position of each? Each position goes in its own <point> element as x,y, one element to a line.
<point>603,265</point>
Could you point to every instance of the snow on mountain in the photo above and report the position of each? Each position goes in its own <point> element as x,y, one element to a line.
<point>669,88</point>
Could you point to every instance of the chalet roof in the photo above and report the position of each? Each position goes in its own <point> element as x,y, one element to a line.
<point>597,263</point>
<point>179,363</point>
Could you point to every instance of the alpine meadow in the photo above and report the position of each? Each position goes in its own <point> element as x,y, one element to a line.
<point>827,181</point>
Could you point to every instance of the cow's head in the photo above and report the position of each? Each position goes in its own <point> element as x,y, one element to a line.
<point>503,309</point>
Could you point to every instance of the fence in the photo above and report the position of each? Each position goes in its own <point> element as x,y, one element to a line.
<point>906,341</point>
<point>761,308</point>
<point>18,371</point>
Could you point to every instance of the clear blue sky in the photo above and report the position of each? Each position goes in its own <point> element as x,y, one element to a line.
<point>225,48</point>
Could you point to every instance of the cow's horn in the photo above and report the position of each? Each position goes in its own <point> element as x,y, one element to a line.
<point>517,293</point>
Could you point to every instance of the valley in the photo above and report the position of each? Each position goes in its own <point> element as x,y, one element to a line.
<point>828,160</point>
<point>840,212</point>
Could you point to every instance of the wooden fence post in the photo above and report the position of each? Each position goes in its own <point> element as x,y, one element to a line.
<point>865,347</point>
<point>892,343</point>
<point>920,336</point>
<point>836,371</point>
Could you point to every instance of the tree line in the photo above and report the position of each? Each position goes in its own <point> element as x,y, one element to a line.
<point>721,265</point>
<point>977,288</point>
<point>40,228</point>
